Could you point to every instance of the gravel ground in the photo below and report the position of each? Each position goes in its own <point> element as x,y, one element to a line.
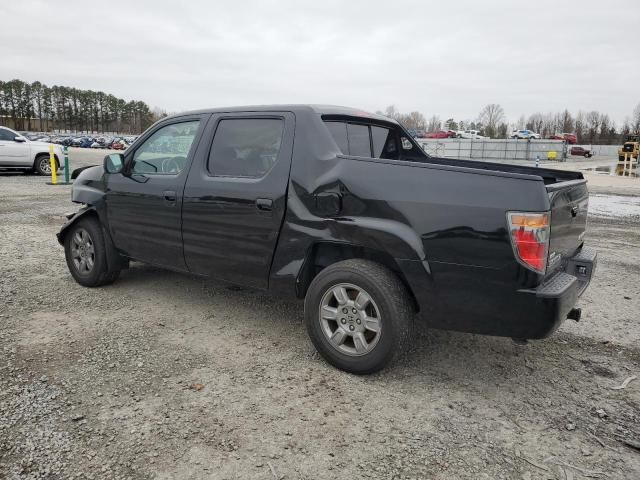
<point>163,375</point>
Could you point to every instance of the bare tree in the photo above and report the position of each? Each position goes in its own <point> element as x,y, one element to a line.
<point>635,122</point>
<point>535,122</point>
<point>580,125</point>
<point>392,112</point>
<point>490,117</point>
<point>593,120</point>
<point>566,122</point>
<point>434,124</point>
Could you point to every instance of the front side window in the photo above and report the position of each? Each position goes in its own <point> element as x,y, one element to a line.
<point>245,147</point>
<point>166,151</point>
<point>7,135</point>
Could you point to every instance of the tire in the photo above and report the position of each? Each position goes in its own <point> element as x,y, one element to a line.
<point>389,310</point>
<point>87,256</point>
<point>42,164</point>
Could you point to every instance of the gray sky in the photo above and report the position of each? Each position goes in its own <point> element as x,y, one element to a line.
<point>448,58</point>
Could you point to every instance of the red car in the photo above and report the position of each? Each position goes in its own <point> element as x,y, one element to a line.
<point>570,138</point>
<point>583,152</point>
<point>438,134</point>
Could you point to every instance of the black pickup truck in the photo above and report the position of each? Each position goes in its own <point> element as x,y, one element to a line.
<point>345,210</point>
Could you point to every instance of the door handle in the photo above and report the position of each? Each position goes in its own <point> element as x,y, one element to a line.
<point>169,196</point>
<point>265,204</point>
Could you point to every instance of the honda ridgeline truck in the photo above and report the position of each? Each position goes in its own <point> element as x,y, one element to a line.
<point>344,210</point>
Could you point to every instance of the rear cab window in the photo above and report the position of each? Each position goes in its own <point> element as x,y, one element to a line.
<point>358,138</point>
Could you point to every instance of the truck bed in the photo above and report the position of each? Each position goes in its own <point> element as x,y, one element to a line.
<point>549,176</point>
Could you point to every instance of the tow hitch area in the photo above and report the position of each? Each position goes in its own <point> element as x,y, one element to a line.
<point>574,314</point>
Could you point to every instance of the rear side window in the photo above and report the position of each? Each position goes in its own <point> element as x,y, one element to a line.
<point>359,143</point>
<point>245,147</point>
<point>373,141</point>
<point>338,131</point>
<point>384,143</point>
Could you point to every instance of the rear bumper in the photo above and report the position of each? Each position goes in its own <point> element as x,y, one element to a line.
<point>547,305</point>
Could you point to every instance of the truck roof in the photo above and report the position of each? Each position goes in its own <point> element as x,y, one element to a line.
<point>319,109</point>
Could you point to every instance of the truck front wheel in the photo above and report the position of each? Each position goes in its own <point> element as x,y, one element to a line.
<point>358,314</point>
<point>86,254</point>
<point>42,164</point>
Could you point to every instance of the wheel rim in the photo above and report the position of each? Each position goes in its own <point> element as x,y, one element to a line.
<point>45,166</point>
<point>83,252</point>
<point>350,319</point>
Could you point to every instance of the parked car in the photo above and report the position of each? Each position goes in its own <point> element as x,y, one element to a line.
<point>580,151</point>
<point>438,134</point>
<point>20,153</point>
<point>421,134</point>
<point>525,134</point>
<point>472,134</point>
<point>412,132</point>
<point>570,138</point>
<point>347,212</point>
<point>119,144</point>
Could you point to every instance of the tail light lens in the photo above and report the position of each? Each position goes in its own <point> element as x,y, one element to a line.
<point>529,234</point>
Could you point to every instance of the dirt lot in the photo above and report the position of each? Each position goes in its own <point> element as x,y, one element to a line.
<point>100,383</point>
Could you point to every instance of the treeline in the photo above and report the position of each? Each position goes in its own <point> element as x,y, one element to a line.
<point>590,127</point>
<point>36,106</point>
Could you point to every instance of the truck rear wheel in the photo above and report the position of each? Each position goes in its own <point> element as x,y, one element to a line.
<point>358,315</point>
<point>86,254</point>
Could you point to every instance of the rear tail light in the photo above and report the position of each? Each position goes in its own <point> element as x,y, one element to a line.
<point>529,233</point>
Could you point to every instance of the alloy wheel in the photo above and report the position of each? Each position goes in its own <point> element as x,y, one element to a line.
<point>350,319</point>
<point>83,251</point>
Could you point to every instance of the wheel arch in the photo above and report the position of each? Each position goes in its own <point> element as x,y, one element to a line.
<point>114,258</point>
<point>322,254</point>
<point>85,212</point>
<point>45,154</point>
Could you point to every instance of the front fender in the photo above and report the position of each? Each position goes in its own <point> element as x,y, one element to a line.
<point>71,219</point>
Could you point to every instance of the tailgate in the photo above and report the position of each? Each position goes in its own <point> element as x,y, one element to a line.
<point>569,202</point>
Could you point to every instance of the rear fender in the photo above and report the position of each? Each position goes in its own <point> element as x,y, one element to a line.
<point>396,241</point>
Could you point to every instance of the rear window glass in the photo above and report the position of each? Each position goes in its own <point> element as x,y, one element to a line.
<point>359,144</point>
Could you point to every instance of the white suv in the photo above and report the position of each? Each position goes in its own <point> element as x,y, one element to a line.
<point>18,152</point>
<point>473,134</point>
<point>525,134</point>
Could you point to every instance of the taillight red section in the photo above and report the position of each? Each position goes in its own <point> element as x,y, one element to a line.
<point>529,234</point>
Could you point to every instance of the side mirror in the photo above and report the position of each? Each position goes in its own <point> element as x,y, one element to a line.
<point>114,163</point>
<point>19,139</point>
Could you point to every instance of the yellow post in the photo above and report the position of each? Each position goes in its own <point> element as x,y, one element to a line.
<point>52,162</point>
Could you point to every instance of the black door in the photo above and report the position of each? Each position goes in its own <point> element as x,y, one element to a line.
<point>234,201</point>
<point>144,202</point>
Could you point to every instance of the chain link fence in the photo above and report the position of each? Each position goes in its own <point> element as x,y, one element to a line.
<point>496,150</point>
